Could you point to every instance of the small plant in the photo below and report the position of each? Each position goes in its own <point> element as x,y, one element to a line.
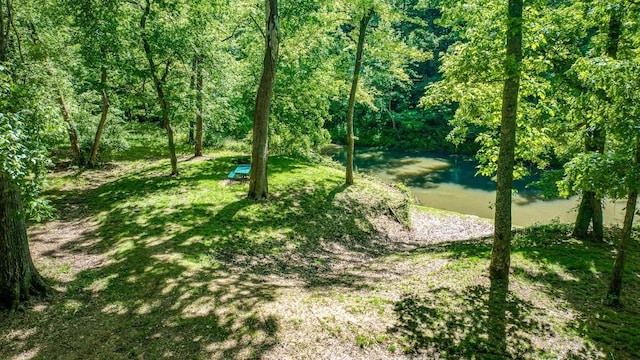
<point>362,340</point>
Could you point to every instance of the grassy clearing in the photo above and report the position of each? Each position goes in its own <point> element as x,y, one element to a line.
<point>150,266</point>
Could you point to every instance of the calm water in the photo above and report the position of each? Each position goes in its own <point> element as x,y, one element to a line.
<point>449,182</point>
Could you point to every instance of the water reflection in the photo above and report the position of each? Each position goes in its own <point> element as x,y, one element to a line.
<point>449,182</point>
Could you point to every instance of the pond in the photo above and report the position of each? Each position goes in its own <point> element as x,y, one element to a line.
<point>450,182</point>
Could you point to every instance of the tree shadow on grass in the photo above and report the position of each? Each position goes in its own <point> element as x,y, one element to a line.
<point>192,277</point>
<point>473,322</point>
<point>149,304</point>
<point>572,277</point>
<point>579,272</point>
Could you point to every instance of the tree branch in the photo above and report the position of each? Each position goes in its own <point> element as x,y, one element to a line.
<point>233,33</point>
<point>15,30</point>
<point>166,69</point>
<point>258,26</point>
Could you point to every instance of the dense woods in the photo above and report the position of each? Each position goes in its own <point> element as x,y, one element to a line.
<point>551,87</point>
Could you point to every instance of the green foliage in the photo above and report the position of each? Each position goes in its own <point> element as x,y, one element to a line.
<point>451,49</point>
<point>87,116</point>
<point>25,125</point>
<point>612,89</point>
<point>472,73</point>
<point>306,81</point>
<point>398,50</point>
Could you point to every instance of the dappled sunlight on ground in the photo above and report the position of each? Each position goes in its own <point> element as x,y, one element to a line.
<point>151,266</point>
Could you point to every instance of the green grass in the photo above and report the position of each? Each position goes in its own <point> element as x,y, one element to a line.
<point>152,266</point>
<point>556,296</point>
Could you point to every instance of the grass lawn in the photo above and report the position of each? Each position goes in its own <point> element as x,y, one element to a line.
<point>150,266</point>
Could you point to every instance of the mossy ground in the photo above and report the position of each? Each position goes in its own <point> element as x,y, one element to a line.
<point>151,266</point>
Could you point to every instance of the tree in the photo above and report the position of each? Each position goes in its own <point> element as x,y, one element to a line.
<point>473,69</point>
<point>19,279</point>
<point>28,118</point>
<point>610,85</point>
<point>399,44</point>
<point>95,25</point>
<point>616,172</point>
<point>364,22</point>
<point>308,78</point>
<point>590,210</point>
<point>501,251</point>
<point>22,158</point>
<point>60,98</point>
<point>387,67</point>
<point>197,64</point>
<point>204,44</point>
<point>159,83</point>
<point>258,186</point>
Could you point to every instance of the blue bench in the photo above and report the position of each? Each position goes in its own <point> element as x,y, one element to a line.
<point>243,170</point>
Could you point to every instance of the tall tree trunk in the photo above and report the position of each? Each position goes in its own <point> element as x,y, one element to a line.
<point>192,123</point>
<point>598,218</point>
<point>4,35</point>
<point>590,210</point>
<point>199,106</point>
<point>12,26</point>
<point>501,251</point>
<point>103,119</point>
<point>614,31</point>
<point>615,285</point>
<point>585,214</point>
<point>364,22</point>
<point>19,279</point>
<point>258,186</point>
<point>158,83</point>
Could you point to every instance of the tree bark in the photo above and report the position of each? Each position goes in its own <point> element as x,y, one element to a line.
<point>19,279</point>
<point>258,185</point>
<point>192,123</point>
<point>6,24</point>
<point>615,285</point>
<point>598,220</point>
<point>158,84</point>
<point>364,22</point>
<point>501,251</point>
<point>199,106</point>
<point>589,212</point>
<point>4,35</point>
<point>585,214</point>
